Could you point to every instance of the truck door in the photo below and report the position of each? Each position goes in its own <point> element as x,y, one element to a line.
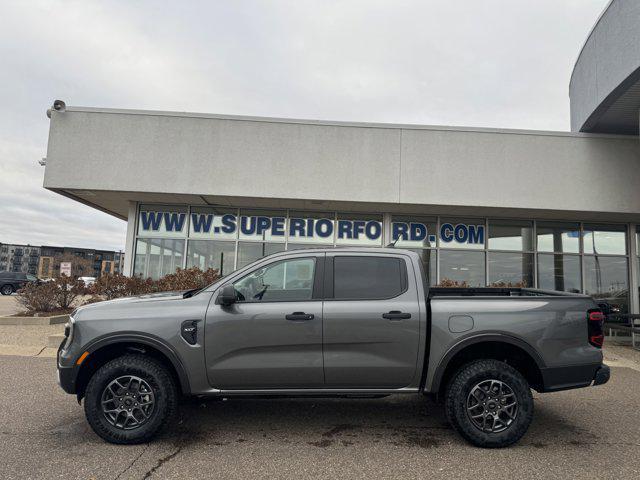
<point>272,336</point>
<point>371,321</point>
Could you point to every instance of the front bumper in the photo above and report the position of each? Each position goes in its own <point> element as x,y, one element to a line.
<point>67,375</point>
<point>67,378</point>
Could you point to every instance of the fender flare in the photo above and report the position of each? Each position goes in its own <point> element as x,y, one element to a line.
<point>145,339</point>
<point>491,337</point>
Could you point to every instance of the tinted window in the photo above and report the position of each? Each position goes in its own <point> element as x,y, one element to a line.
<point>289,280</point>
<point>368,277</point>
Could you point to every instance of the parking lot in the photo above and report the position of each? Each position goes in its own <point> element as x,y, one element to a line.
<point>8,305</point>
<point>588,433</point>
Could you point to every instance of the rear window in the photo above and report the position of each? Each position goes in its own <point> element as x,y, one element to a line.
<point>368,278</point>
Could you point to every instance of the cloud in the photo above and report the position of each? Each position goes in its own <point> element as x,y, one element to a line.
<point>492,63</point>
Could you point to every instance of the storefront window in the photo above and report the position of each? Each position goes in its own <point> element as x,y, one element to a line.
<point>428,259</point>
<point>314,228</point>
<point>359,229</point>
<point>454,251</point>
<point>463,269</point>
<point>510,235</point>
<point>262,225</point>
<point>558,237</point>
<point>606,280</point>
<point>605,239</point>
<point>251,251</point>
<point>213,223</point>
<point>206,254</point>
<point>467,233</point>
<point>162,221</point>
<point>510,269</point>
<point>559,272</point>
<point>412,231</point>
<point>156,257</point>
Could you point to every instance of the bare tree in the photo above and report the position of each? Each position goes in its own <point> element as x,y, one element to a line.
<point>80,266</point>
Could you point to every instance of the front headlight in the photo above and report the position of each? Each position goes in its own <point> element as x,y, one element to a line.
<point>68,332</point>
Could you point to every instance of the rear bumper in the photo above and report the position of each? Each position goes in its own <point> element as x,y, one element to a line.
<point>576,376</point>
<point>602,375</point>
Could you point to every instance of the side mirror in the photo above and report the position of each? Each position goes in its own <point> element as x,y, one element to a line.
<point>227,296</point>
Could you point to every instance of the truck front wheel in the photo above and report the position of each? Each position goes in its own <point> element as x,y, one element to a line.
<point>489,403</point>
<point>129,399</point>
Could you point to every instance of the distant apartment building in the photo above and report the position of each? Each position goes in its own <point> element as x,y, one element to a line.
<point>19,258</point>
<point>92,263</point>
<point>44,261</point>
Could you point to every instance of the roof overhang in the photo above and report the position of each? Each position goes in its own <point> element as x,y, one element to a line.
<point>605,84</point>
<point>109,158</point>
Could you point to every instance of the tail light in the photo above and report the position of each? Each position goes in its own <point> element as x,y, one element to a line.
<point>595,328</point>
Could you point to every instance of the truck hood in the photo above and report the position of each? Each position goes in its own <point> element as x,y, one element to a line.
<point>118,302</point>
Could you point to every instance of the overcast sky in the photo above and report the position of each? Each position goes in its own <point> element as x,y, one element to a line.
<point>490,63</point>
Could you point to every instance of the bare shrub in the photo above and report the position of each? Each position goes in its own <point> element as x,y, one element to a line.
<point>38,297</point>
<point>68,289</point>
<point>186,279</point>
<point>447,282</point>
<point>92,299</point>
<point>80,266</point>
<point>503,284</point>
<point>116,285</point>
<point>110,286</point>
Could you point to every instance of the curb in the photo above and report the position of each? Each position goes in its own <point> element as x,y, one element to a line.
<point>55,320</point>
<point>54,341</point>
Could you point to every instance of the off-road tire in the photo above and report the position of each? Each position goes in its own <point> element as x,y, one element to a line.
<point>159,380</point>
<point>459,390</point>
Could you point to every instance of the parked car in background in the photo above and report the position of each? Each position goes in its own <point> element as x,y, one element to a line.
<point>13,281</point>
<point>88,281</point>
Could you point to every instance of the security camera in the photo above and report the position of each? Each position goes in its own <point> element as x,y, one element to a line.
<point>59,106</point>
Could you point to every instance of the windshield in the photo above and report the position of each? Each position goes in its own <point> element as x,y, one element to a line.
<point>196,291</point>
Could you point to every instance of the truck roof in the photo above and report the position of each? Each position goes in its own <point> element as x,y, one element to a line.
<point>348,249</point>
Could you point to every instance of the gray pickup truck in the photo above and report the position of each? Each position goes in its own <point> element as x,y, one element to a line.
<point>332,322</point>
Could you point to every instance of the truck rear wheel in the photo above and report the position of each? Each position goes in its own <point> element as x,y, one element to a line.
<point>489,403</point>
<point>130,399</point>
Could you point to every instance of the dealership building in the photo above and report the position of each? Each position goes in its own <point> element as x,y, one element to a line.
<point>552,210</point>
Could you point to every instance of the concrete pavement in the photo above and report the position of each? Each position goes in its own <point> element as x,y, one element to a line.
<point>586,433</point>
<point>9,305</point>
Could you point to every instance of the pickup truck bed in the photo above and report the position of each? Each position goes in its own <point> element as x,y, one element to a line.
<point>494,292</point>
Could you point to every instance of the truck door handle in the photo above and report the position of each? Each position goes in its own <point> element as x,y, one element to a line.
<point>396,315</point>
<point>299,316</point>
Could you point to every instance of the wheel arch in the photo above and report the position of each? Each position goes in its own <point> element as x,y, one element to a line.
<point>107,348</point>
<point>514,351</point>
